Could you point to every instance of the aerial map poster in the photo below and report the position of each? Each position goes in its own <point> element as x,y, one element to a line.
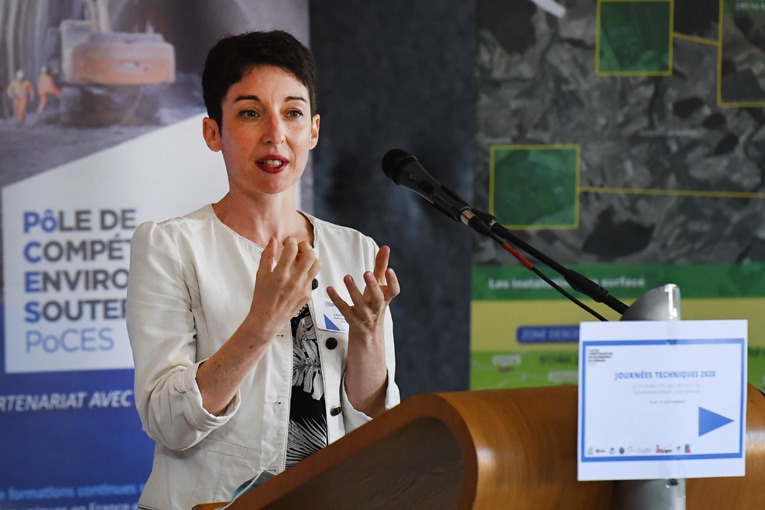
<point>624,140</point>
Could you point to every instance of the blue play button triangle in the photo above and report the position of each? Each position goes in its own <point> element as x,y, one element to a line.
<point>331,326</point>
<point>709,421</point>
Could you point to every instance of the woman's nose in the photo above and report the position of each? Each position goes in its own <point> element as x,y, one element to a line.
<point>274,132</point>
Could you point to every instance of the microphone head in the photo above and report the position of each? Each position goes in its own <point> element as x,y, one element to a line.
<point>393,163</point>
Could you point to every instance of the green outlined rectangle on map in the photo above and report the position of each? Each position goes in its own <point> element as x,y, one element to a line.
<point>741,76</point>
<point>634,38</point>
<point>534,186</point>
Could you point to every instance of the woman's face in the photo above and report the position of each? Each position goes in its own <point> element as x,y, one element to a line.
<point>267,131</point>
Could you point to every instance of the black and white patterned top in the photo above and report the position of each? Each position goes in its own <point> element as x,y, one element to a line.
<point>308,420</point>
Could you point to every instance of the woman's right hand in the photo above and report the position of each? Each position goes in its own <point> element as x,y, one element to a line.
<point>283,283</point>
<point>282,288</point>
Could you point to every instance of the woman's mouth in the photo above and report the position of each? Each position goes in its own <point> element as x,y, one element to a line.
<point>271,165</point>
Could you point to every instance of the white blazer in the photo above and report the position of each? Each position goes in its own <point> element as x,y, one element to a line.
<point>190,287</point>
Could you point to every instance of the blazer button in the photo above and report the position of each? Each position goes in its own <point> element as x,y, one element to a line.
<point>331,343</point>
<point>314,284</point>
<point>335,411</point>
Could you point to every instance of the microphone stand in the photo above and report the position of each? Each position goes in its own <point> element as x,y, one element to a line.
<point>493,229</point>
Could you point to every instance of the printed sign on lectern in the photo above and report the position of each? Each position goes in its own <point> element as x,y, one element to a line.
<point>662,399</point>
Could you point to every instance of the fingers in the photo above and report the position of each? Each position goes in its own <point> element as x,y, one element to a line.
<point>284,276</point>
<point>298,258</point>
<point>373,294</point>
<point>382,281</point>
<point>294,256</point>
<point>268,258</point>
<point>384,276</point>
<point>306,260</point>
<point>381,286</point>
<point>358,300</point>
<point>342,306</point>
<point>292,271</point>
<point>381,263</point>
<point>393,288</point>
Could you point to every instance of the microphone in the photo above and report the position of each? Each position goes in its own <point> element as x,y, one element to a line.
<point>405,170</point>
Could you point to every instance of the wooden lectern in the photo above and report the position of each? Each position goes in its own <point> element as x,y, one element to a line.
<point>487,449</point>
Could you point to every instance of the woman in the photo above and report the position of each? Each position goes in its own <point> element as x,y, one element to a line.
<point>259,333</point>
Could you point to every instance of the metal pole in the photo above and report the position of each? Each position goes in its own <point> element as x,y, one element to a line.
<point>659,304</point>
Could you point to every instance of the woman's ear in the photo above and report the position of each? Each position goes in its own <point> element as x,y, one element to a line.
<point>315,130</point>
<point>211,133</point>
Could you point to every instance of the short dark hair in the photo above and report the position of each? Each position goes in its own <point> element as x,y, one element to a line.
<point>233,56</point>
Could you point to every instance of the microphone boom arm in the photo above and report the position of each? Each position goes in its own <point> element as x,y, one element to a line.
<point>578,282</point>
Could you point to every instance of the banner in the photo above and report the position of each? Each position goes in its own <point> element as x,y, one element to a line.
<point>622,139</point>
<point>101,130</point>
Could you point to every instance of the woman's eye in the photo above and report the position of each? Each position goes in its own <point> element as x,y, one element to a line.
<point>295,113</point>
<point>248,114</point>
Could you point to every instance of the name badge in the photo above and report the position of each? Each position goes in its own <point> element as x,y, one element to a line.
<point>328,317</point>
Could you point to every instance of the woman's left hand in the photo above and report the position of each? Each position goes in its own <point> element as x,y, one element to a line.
<point>366,373</point>
<point>366,313</point>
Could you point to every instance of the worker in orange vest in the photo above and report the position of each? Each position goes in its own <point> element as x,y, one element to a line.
<point>21,91</point>
<point>45,87</point>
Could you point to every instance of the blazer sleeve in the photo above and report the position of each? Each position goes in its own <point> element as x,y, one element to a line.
<point>162,336</point>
